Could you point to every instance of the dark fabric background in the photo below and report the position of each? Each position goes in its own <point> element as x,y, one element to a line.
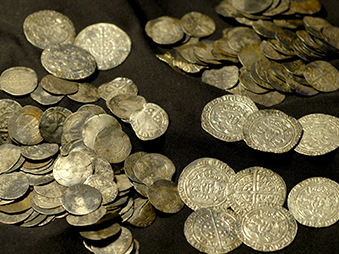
<point>183,97</point>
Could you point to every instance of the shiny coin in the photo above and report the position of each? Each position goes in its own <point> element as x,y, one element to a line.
<point>23,126</point>
<point>51,123</point>
<point>39,152</point>
<point>320,134</point>
<point>68,62</point>
<point>81,199</point>
<point>13,185</point>
<point>249,6</point>
<point>88,219</point>
<point>212,230</point>
<point>305,6</point>
<point>123,105</point>
<point>224,78</point>
<point>256,187</point>
<point>108,188</point>
<point>197,24</point>
<point>164,30</point>
<point>305,198</point>
<point>195,183</point>
<point>143,215</point>
<point>123,183</point>
<point>255,228</point>
<point>47,27</point>
<point>45,98</point>
<point>272,131</point>
<point>223,117</point>
<point>119,85</point>
<point>87,93</point>
<point>58,86</point>
<point>149,123</point>
<point>72,169</point>
<point>18,81</point>
<point>9,156</point>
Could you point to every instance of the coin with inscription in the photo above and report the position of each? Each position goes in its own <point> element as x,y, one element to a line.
<point>197,24</point>
<point>268,228</point>
<point>108,43</point>
<point>271,130</point>
<point>224,117</point>
<point>211,230</point>
<point>314,202</point>
<point>205,183</point>
<point>48,27</point>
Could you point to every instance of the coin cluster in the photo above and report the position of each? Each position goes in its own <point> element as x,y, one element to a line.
<point>276,58</point>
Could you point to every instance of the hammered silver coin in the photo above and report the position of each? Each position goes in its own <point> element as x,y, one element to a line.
<point>108,188</point>
<point>13,185</point>
<point>197,24</point>
<point>58,86</point>
<point>119,85</point>
<point>87,93</point>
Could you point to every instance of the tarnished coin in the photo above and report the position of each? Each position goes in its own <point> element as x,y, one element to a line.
<point>36,180</point>
<point>129,165</point>
<point>305,6</point>
<point>285,37</point>
<point>250,55</point>
<point>14,218</point>
<point>97,234</point>
<point>211,230</point>
<point>300,88</point>
<point>45,98</point>
<point>296,67</point>
<point>107,187</point>
<point>45,202</point>
<point>88,219</point>
<point>23,126</point>
<point>103,167</point>
<point>248,82</point>
<point>322,76</point>
<point>108,43</point>
<point>164,30</point>
<point>267,49</point>
<point>204,183</point>
<point>203,50</point>
<point>152,167</point>
<point>51,123</point>
<point>265,28</point>
<point>314,202</point>
<point>164,196</point>
<point>92,108</point>
<point>39,152</point>
<point>243,37</point>
<point>72,169</point>
<point>149,123</point>
<point>18,81</point>
<point>256,78</point>
<point>119,85</point>
<point>314,25</point>
<point>271,130</point>
<point>330,35</point>
<point>13,185</point>
<point>68,61</point>
<point>248,6</point>
<point>9,156</point>
<point>279,84</point>
<point>124,184</point>
<point>223,117</point>
<point>226,9</point>
<point>224,78</point>
<point>320,134</point>
<point>256,187</point>
<point>144,214</point>
<point>48,27</point>
<point>86,93</point>
<point>52,190</point>
<point>81,199</point>
<point>58,86</point>
<point>268,228</point>
<point>282,7</point>
<point>197,24</point>
<point>20,205</point>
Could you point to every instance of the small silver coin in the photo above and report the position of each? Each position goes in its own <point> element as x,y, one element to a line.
<point>248,6</point>
<point>224,78</point>
<point>44,98</point>
<point>119,85</point>
<point>101,233</point>
<point>9,156</point>
<point>88,219</point>
<point>108,43</point>
<point>107,187</point>
<point>197,24</point>
<point>103,167</point>
<point>58,86</point>
<point>267,49</point>
<point>226,9</point>
<point>144,214</point>
<point>68,61</point>
<point>86,93</point>
<point>13,185</point>
<point>40,151</point>
<point>81,199</point>
<point>315,24</point>
<point>283,6</point>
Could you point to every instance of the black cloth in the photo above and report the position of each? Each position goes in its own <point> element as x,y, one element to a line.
<point>183,97</point>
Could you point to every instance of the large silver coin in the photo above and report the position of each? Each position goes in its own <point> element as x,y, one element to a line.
<point>314,202</point>
<point>47,27</point>
<point>256,187</point>
<point>197,24</point>
<point>81,199</point>
<point>268,228</point>
<point>68,62</point>
<point>271,130</point>
<point>108,43</point>
<point>211,230</point>
<point>224,117</point>
<point>18,81</point>
<point>320,134</point>
<point>205,183</point>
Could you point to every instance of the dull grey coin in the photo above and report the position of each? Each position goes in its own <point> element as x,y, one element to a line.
<point>86,93</point>
<point>285,37</point>
<point>45,98</point>
<point>68,61</point>
<point>88,219</point>
<point>224,78</point>
<point>248,6</point>
<point>119,85</point>
<point>40,151</point>
<point>203,50</point>
<point>18,81</point>
<point>257,79</point>
<point>81,199</point>
<point>9,156</point>
<point>279,84</point>
<point>13,185</point>
<point>164,30</point>
<point>34,222</point>
<point>52,211</point>
<point>144,214</point>
<point>108,43</point>
<point>48,27</point>
<point>107,187</point>
<point>58,86</point>
<point>197,24</point>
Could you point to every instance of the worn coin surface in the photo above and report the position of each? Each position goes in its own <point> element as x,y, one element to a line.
<point>107,187</point>
<point>224,117</point>
<point>58,86</point>
<point>144,214</point>
<point>249,6</point>
<point>13,185</point>
<point>9,156</point>
<point>119,85</point>
<point>242,37</point>
<point>88,219</point>
<point>314,202</point>
<point>108,43</point>
<point>211,230</point>
<point>330,35</point>
<point>52,190</point>
<point>224,78</point>
<point>129,165</point>
<point>40,151</point>
<point>197,24</point>
<point>205,183</point>
<point>87,93</point>
<point>48,27</point>
<point>45,98</point>
<point>271,130</point>
<point>305,6</point>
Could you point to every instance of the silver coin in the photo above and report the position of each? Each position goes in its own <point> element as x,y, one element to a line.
<point>108,231</point>
<point>315,24</point>
<point>15,218</point>
<point>223,117</point>
<point>305,6</point>
<point>283,6</point>
<point>13,185</point>
<point>52,211</point>
<point>242,38</point>
<point>45,202</point>
<point>286,37</point>
<point>36,180</point>
<point>248,6</point>
<point>226,9</point>
<point>320,134</point>
<point>39,152</point>
<point>164,30</point>
<point>211,230</point>
<point>119,85</point>
<point>107,188</point>
<point>224,78</point>
<point>52,190</point>
<point>48,27</point>
<point>92,108</point>
<point>58,86</point>
<point>86,93</point>
<point>72,169</point>
<point>34,222</point>
<point>44,98</point>
<point>329,34</point>
<point>256,78</point>
<point>18,81</point>
<point>271,130</point>
<point>265,28</point>
<point>149,123</point>
<point>144,214</point>
<point>247,81</point>
<point>250,55</point>
<point>267,49</point>
<point>123,183</point>
<point>88,219</point>
<point>103,167</point>
<point>268,228</point>
<point>81,199</point>
<point>204,183</point>
<point>203,50</point>
<point>9,156</point>
<point>68,62</point>
<point>18,206</point>
<point>129,165</point>
<point>108,43</point>
<point>197,24</point>
<point>300,88</point>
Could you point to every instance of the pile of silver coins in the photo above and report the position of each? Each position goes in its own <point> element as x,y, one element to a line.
<point>276,59</point>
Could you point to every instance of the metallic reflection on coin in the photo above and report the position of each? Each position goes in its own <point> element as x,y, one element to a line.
<point>86,93</point>
<point>39,152</point>
<point>119,85</point>
<point>224,78</point>
<point>13,185</point>
<point>144,214</point>
<point>9,156</point>
<point>107,187</point>
<point>197,24</point>
<point>58,86</point>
